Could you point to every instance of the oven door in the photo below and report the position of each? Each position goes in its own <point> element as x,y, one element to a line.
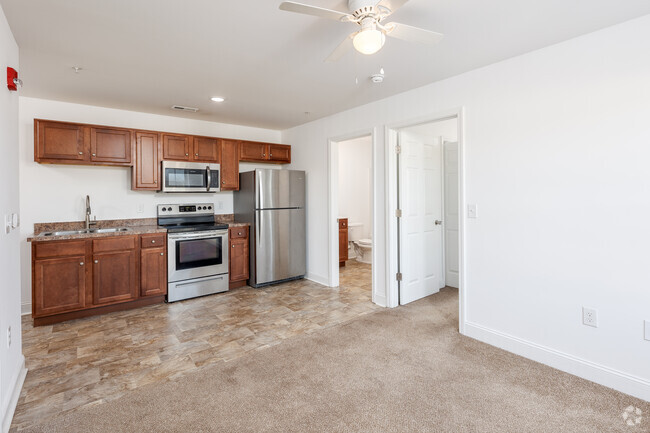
<point>197,254</point>
<point>190,177</point>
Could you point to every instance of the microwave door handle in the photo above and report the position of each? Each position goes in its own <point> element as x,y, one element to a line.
<point>207,169</point>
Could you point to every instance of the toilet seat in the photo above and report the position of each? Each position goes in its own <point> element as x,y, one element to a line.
<point>365,242</point>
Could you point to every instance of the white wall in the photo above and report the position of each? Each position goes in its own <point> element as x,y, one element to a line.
<point>11,358</point>
<point>556,158</point>
<point>355,170</point>
<point>53,192</point>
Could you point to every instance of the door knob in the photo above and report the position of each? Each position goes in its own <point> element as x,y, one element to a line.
<point>438,222</point>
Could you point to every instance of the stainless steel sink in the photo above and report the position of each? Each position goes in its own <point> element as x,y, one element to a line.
<point>85,232</point>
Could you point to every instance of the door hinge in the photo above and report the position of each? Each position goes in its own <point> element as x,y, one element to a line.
<point>398,213</point>
<point>398,276</point>
<point>398,149</point>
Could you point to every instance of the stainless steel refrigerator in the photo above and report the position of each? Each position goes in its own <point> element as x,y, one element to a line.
<point>273,202</point>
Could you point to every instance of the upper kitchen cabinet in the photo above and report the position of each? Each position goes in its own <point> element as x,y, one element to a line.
<point>229,165</point>
<point>59,142</point>
<point>176,147</point>
<point>280,153</point>
<point>110,145</point>
<point>71,143</point>
<point>251,151</point>
<point>206,149</point>
<point>146,170</point>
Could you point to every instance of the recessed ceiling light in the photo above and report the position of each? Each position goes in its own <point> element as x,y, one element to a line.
<point>217,99</point>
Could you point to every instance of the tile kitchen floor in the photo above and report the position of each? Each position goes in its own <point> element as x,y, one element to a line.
<point>98,359</point>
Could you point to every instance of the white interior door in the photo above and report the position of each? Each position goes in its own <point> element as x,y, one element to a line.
<point>451,212</point>
<point>420,192</point>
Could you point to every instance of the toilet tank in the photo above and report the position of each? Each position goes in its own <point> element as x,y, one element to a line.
<point>355,231</point>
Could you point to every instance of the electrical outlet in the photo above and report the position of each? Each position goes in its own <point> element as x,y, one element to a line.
<point>9,337</point>
<point>590,317</point>
<point>472,212</point>
<point>646,333</point>
<point>140,208</point>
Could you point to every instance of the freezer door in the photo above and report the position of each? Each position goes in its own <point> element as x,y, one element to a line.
<point>280,245</point>
<point>277,189</point>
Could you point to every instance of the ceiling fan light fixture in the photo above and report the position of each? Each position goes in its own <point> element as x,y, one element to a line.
<point>369,41</point>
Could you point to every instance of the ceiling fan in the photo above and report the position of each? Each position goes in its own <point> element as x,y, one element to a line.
<point>368,14</point>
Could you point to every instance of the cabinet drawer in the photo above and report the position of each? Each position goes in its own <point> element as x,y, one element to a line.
<point>59,249</point>
<point>343,223</point>
<point>153,240</point>
<point>238,232</point>
<point>118,243</point>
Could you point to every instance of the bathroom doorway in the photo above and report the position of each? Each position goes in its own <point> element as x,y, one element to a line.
<point>355,212</point>
<point>352,214</point>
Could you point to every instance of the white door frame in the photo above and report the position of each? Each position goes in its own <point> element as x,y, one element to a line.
<point>391,187</point>
<point>333,203</point>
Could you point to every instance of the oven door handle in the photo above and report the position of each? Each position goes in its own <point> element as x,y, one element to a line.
<point>180,237</point>
<point>207,169</point>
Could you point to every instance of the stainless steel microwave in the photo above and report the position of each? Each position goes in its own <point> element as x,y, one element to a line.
<point>190,177</point>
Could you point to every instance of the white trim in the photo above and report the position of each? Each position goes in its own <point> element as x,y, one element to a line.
<point>25,308</point>
<point>609,377</point>
<point>333,207</point>
<point>391,221</point>
<point>317,279</point>
<point>9,410</point>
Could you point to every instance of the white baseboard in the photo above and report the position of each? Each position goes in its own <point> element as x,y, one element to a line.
<point>606,376</point>
<point>318,279</point>
<point>25,308</point>
<point>10,408</point>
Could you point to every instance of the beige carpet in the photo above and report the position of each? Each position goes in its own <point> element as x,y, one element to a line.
<point>397,370</point>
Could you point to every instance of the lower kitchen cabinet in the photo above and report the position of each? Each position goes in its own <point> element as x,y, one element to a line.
<point>153,266</point>
<point>238,257</point>
<point>85,277</point>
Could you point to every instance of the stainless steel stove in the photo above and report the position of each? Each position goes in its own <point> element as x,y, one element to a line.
<point>197,250</point>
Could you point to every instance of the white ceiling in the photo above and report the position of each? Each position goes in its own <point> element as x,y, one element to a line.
<point>146,55</point>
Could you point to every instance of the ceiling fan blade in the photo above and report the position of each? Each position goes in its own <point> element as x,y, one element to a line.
<point>412,34</point>
<point>315,11</point>
<point>343,48</point>
<point>393,5</point>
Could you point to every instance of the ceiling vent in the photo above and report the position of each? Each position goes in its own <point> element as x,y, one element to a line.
<point>183,108</point>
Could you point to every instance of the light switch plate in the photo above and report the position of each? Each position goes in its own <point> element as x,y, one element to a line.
<point>7,224</point>
<point>15,220</point>
<point>472,212</point>
<point>646,333</point>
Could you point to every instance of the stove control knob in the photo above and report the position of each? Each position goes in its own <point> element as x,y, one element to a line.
<point>164,209</point>
<point>209,207</point>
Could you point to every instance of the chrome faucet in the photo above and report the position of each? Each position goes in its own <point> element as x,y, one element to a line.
<point>88,212</point>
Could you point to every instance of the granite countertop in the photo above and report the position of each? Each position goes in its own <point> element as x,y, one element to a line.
<point>135,226</point>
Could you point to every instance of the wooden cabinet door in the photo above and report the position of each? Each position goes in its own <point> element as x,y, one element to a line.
<point>206,149</point>
<point>280,153</point>
<point>59,285</point>
<point>238,257</point>
<point>114,277</point>
<point>110,145</point>
<point>229,165</point>
<point>153,271</point>
<point>176,147</point>
<point>343,240</point>
<point>59,142</point>
<point>252,151</point>
<point>146,170</point>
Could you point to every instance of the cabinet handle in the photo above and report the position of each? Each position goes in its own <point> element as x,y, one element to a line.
<point>233,245</point>
<point>155,181</point>
<point>81,264</point>
<point>196,154</point>
<point>81,153</point>
<point>153,241</point>
<point>264,154</point>
<point>96,261</point>
<point>187,154</point>
<point>223,181</point>
<point>270,155</point>
<point>239,233</point>
<point>162,254</point>
<point>94,154</point>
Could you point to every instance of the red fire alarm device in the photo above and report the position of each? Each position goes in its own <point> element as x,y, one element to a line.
<point>12,79</point>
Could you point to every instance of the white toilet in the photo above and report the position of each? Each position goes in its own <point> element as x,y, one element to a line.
<point>362,247</point>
